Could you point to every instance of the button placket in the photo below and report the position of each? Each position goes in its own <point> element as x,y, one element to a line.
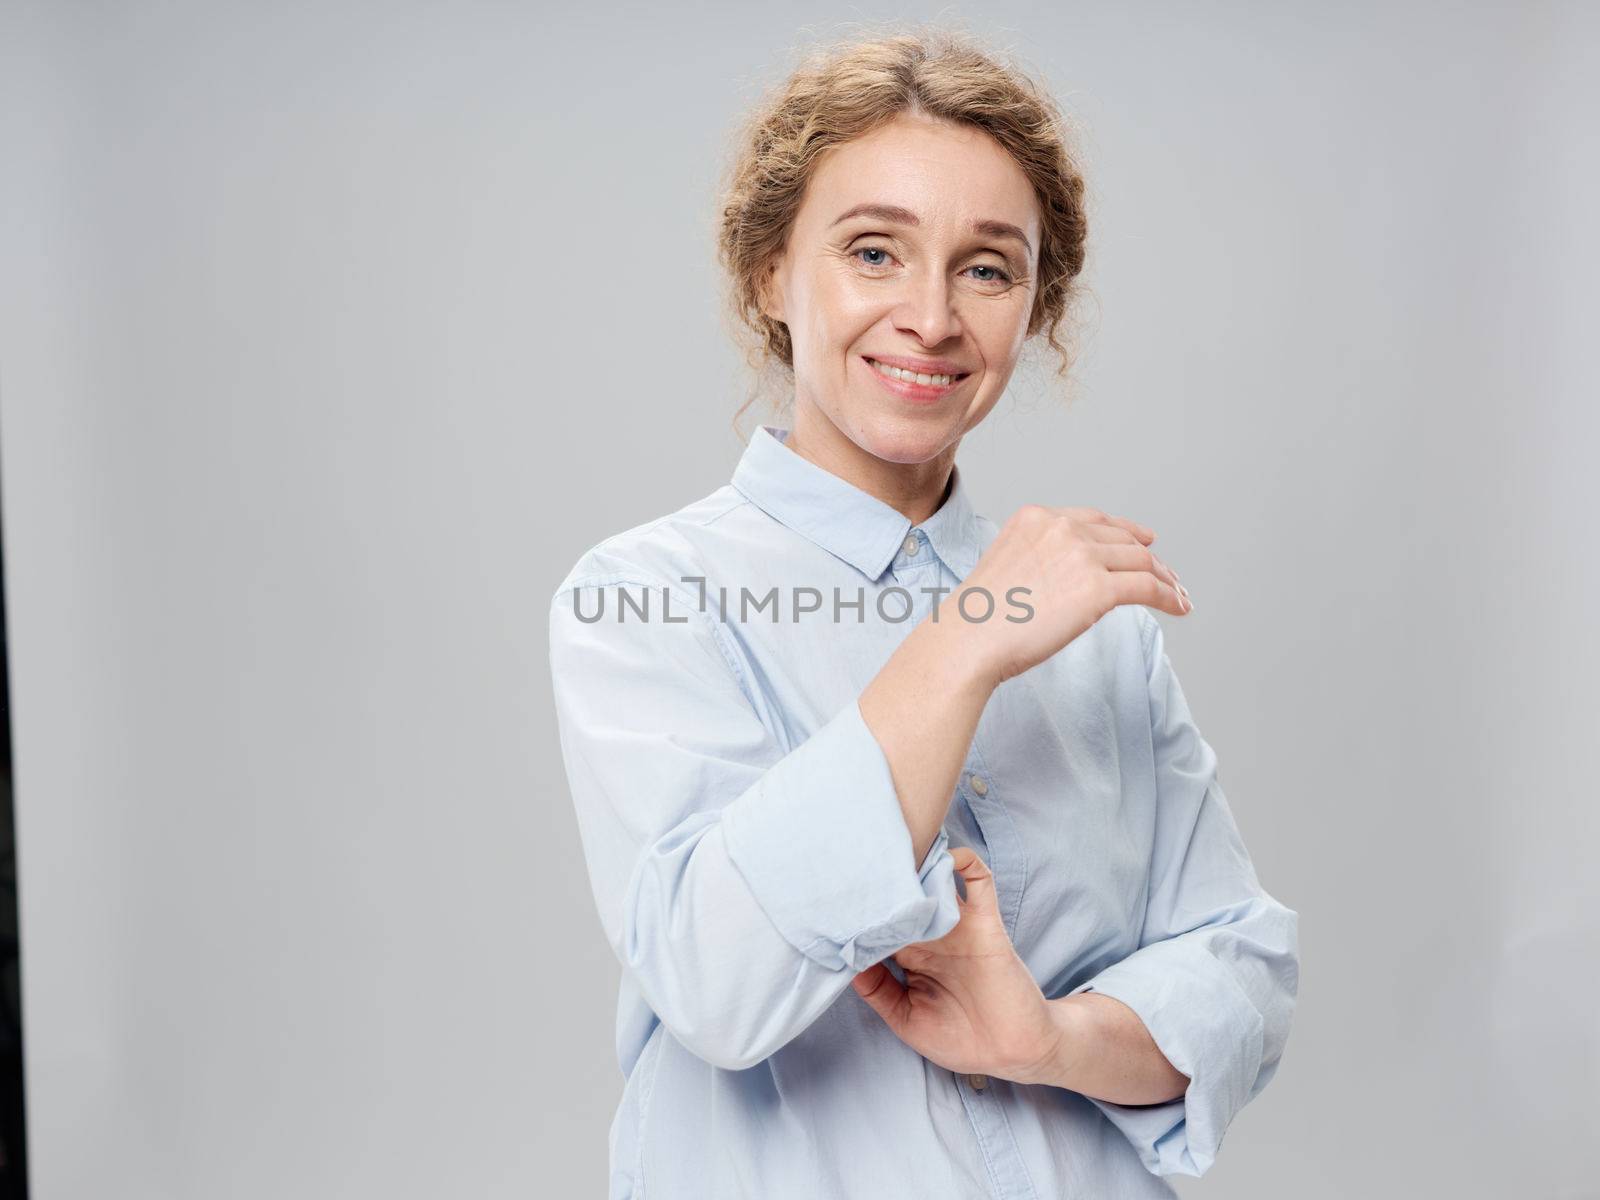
<point>1006,859</point>
<point>1001,1154</point>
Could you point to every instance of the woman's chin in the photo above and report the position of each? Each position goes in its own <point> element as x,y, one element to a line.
<point>894,438</point>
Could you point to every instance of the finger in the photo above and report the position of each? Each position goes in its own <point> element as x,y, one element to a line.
<point>1126,556</point>
<point>1114,535</point>
<point>1144,587</point>
<point>975,874</point>
<point>1144,533</point>
<point>913,957</point>
<point>1096,516</point>
<point>884,994</point>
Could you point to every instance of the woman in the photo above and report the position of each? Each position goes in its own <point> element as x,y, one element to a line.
<point>794,711</point>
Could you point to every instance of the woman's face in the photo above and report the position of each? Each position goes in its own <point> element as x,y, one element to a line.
<point>917,244</point>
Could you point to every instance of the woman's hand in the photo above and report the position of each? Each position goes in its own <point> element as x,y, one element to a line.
<point>969,1002</point>
<point>1075,564</point>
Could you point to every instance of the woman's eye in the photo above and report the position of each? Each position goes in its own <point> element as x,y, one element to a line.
<point>999,275</point>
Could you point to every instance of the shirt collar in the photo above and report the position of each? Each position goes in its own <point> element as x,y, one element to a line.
<point>841,518</point>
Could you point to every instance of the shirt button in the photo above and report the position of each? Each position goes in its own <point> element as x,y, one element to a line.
<point>911,545</point>
<point>978,1082</point>
<point>978,784</point>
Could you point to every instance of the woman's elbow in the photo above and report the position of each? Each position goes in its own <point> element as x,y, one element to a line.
<point>728,987</point>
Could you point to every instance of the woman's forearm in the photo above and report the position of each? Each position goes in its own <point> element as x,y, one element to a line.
<point>1106,1052</point>
<point>923,709</point>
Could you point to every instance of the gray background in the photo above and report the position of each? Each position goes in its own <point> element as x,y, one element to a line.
<point>332,334</point>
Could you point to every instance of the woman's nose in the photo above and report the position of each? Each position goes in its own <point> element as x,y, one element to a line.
<point>929,310</point>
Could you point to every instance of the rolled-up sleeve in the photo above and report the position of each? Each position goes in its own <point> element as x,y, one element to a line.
<point>741,884</point>
<point>1217,970</point>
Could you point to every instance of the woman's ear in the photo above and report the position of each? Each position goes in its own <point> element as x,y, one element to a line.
<point>771,291</point>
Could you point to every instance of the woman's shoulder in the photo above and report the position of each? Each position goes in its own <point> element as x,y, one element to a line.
<point>663,551</point>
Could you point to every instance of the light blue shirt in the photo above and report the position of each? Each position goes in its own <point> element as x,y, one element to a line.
<point>748,857</point>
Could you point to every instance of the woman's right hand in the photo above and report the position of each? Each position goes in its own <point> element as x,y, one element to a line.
<point>1077,564</point>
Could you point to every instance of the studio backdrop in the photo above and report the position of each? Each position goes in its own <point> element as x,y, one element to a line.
<point>331,335</point>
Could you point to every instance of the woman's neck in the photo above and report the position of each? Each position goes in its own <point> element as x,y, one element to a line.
<point>916,490</point>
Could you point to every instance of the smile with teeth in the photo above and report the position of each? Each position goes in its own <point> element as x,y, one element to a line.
<point>912,376</point>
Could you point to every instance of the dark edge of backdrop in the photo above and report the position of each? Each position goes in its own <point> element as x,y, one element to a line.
<point>13,1106</point>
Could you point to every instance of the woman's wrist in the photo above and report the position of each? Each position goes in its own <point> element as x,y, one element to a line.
<point>1101,1048</point>
<point>1056,1064</point>
<point>960,651</point>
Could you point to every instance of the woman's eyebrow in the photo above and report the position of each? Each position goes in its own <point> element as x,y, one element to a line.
<point>904,216</point>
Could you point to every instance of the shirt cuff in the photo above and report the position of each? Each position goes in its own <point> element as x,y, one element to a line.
<point>1208,1028</point>
<point>822,844</point>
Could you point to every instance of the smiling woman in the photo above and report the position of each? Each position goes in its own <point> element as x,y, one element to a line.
<point>944,906</point>
<point>937,184</point>
<point>851,288</point>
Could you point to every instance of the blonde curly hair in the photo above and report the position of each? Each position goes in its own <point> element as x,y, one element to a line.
<point>845,90</point>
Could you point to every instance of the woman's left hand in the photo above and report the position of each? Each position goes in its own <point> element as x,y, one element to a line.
<point>969,1002</point>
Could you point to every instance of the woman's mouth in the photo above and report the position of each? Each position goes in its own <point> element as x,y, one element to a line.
<point>922,388</point>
